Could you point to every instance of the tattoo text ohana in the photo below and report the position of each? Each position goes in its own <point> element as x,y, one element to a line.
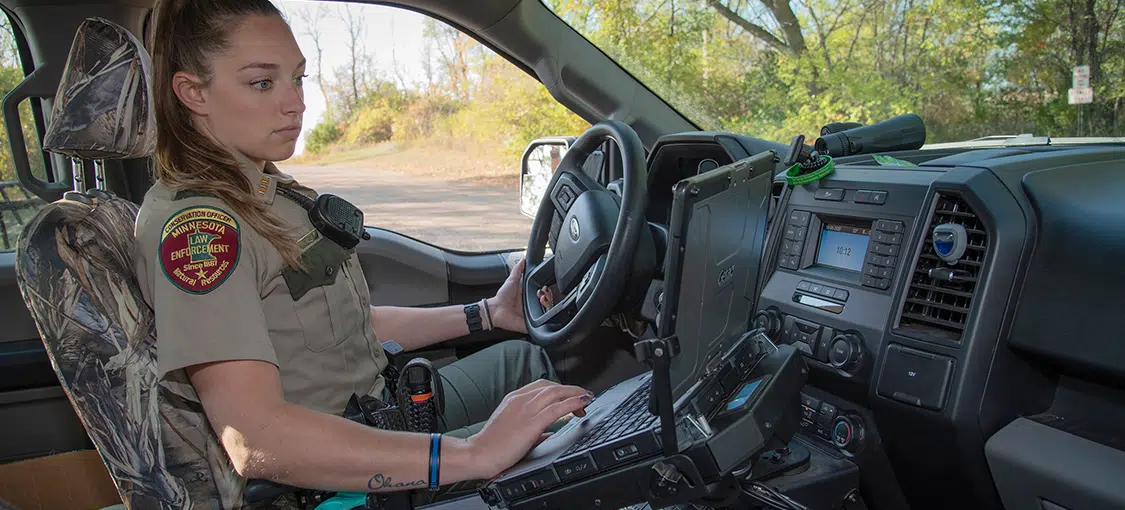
<point>379,481</point>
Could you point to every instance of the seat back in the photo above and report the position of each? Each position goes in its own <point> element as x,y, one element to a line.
<point>75,269</point>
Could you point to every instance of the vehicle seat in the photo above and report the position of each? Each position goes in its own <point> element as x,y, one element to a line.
<point>74,268</point>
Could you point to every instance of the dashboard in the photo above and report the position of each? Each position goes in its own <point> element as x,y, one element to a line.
<point>902,287</point>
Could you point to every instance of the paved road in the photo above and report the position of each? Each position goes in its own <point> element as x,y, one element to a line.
<point>448,214</point>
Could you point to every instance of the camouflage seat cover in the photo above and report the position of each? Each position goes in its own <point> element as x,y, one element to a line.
<point>75,272</point>
<point>74,267</point>
<point>103,105</point>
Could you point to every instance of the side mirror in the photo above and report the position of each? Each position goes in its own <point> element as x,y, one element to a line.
<point>538,164</point>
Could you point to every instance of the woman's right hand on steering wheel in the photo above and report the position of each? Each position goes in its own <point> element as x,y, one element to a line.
<point>517,425</point>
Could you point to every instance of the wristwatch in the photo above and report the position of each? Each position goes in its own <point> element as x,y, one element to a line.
<point>472,317</point>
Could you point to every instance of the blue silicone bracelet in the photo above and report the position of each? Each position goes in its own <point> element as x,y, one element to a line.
<point>435,460</point>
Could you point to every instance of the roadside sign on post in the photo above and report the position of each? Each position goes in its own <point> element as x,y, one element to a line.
<point>1081,96</point>
<point>1081,77</point>
<point>1080,93</point>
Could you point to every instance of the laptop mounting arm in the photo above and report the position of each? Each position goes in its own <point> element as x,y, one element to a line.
<point>658,353</point>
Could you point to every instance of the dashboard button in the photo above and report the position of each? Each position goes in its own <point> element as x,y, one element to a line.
<point>816,288</point>
<point>886,272</point>
<point>879,260</point>
<point>828,410</point>
<point>840,294</point>
<point>894,227</point>
<point>827,291</point>
<point>804,285</point>
<point>869,281</point>
<point>882,283</point>
<point>823,431</point>
<point>895,239</point>
<point>878,197</point>
<point>871,270</point>
<point>834,194</point>
<point>799,218</point>
<point>863,197</point>
<point>885,249</point>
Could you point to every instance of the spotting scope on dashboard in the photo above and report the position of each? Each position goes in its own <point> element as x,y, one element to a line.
<point>905,132</point>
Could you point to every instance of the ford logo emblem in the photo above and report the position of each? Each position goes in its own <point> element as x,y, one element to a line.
<point>574,230</point>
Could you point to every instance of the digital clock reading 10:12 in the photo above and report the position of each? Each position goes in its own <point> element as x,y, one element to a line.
<point>843,246</point>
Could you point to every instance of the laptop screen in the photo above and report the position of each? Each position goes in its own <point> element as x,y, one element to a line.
<point>711,270</point>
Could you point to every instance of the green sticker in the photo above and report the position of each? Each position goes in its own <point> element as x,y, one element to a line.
<point>889,161</point>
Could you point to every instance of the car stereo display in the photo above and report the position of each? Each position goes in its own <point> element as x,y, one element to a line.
<point>843,246</point>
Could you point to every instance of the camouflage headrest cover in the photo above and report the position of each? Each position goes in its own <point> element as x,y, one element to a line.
<point>103,107</point>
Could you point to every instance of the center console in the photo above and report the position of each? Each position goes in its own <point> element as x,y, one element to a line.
<point>838,250</point>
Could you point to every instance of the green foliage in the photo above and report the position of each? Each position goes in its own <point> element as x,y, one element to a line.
<point>372,123</point>
<point>476,99</point>
<point>968,67</point>
<point>322,136</point>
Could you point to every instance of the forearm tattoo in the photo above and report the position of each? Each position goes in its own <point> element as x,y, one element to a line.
<point>381,481</point>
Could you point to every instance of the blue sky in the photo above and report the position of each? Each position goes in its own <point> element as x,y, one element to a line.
<point>387,32</point>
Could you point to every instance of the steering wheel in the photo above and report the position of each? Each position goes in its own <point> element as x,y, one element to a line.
<point>596,239</point>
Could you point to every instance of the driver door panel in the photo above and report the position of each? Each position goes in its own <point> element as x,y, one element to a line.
<point>402,271</point>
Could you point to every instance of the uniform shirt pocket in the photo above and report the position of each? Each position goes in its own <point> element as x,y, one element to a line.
<point>329,315</point>
<point>326,303</point>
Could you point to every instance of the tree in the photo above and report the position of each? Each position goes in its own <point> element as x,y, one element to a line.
<point>358,62</point>
<point>311,18</point>
<point>790,39</point>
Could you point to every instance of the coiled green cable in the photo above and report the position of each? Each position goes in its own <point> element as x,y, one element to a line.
<point>796,178</point>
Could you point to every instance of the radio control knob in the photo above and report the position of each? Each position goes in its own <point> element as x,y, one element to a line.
<point>845,351</point>
<point>847,433</point>
<point>770,321</point>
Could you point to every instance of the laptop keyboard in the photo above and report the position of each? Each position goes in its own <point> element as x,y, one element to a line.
<point>629,417</point>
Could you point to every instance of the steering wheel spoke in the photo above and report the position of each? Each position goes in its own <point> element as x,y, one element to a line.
<point>593,234</point>
<point>558,313</point>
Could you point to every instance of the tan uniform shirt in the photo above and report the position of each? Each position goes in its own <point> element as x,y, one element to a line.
<point>219,293</point>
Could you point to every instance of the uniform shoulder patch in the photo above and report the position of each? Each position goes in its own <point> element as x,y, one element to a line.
<point>199,248</point>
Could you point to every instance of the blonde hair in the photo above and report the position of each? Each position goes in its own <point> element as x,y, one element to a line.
<point>186,35</point>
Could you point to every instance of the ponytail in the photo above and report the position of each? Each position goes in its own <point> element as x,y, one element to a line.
<point>186,34</point>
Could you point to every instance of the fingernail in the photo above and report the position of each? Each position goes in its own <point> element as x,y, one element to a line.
<point>586,398</point>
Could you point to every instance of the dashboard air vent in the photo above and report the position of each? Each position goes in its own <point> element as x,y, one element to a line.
<point>938,307</point>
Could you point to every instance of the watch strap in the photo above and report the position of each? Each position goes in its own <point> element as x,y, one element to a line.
<point>472,317</point>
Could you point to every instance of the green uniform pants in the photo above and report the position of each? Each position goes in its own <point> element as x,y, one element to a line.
<point>474,386</point>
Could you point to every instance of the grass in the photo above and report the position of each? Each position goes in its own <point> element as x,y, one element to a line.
<point>445,159</point>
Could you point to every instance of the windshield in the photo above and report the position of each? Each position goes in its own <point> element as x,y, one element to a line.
<point>969,68</point>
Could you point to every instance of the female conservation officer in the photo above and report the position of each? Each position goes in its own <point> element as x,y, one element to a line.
<point>269,318</point>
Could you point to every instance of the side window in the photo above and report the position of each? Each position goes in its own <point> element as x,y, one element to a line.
<point>17,205</point>
<point>418,124</point>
